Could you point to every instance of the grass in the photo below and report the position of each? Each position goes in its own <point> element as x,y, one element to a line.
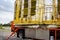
<point>4,28</point>
<point>1,27</point>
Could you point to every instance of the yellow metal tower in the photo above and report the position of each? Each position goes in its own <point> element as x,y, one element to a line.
<point>36,12</point>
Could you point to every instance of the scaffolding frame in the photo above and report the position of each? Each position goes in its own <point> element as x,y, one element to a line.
<point>39,12</point>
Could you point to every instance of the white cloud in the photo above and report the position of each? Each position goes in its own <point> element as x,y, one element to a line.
<point>2,6</point>
<point>6,14</point>
<point>5,0</point>
<point>6,17</point>
<point>6,11</point>
<point>12,1</point>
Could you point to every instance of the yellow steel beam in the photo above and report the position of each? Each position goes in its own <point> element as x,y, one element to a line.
<point>34,8</point>
<point>17,9</point>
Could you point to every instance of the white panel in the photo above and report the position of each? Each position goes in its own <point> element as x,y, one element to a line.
<point>49,16</point>
<point>48,2</point>
<point>48,8</point>
<point>37,33</point>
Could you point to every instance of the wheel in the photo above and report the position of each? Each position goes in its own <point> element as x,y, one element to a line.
<point>21,33</point>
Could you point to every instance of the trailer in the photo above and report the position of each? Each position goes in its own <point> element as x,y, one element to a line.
<point>36,19</point>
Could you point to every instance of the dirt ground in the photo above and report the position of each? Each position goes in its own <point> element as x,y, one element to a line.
<point>4,33</point>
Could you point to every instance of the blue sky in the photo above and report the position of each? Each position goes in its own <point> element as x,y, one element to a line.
<point>6,11</point>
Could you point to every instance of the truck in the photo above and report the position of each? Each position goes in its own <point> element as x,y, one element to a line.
<point>36,19</point>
